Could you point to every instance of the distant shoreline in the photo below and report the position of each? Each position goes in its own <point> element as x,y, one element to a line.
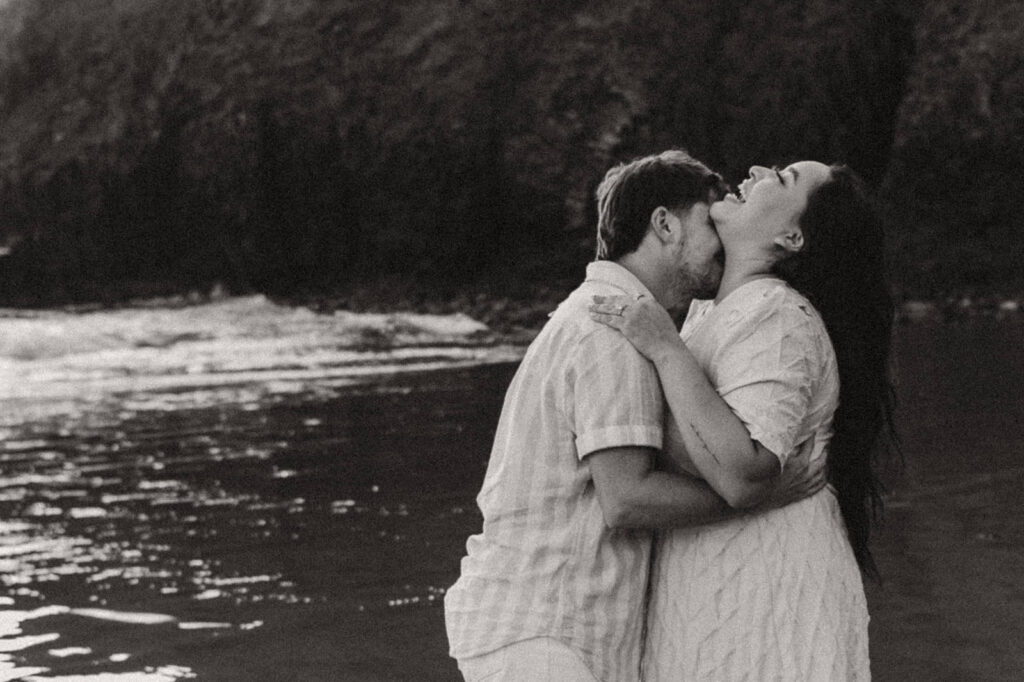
<point>514,319</point>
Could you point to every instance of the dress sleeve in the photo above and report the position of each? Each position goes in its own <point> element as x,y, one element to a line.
<point>615,393</point>
<point>766,371</point>
<point>695,313</point>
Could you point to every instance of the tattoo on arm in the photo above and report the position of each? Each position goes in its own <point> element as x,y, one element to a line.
<point>704,443</point>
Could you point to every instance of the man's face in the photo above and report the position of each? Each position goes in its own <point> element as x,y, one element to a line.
<point>698,255</point>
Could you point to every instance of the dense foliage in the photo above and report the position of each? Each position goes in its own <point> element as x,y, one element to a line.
<point>309,146</point>
<point>955,174</point>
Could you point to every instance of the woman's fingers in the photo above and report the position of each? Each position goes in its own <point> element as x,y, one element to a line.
<point>615,321</point>
<point>612,299</point>
<point>610,305</point>
<point>608,308</point>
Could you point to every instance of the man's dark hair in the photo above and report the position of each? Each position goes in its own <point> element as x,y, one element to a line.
<point>630,192</point>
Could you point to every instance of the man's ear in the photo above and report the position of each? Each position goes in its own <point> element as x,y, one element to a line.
<point>660,223</point>
<point>792,241</point>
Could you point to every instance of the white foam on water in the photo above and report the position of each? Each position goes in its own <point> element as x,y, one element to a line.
<point>48,355</point>
<point>162,674</point>
<point>70,651</point>
<point>200,625</point>
<point>128,617</point>
<point>26,641</point>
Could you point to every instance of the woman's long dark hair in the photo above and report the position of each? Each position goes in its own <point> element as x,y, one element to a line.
<point>841,270</point>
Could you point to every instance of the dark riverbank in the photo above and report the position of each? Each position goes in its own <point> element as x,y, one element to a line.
<point>304,148</point>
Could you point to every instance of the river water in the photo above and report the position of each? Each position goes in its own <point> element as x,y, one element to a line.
<point>242,491</point>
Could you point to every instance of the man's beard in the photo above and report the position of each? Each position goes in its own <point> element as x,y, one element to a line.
<point>703,284</point>
<point>707,289</point>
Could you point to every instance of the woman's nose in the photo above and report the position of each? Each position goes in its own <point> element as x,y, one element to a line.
<point>757,172</point>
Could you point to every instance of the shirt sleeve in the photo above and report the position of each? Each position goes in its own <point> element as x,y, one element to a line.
<point>616,397</point>
<point>766,371</point>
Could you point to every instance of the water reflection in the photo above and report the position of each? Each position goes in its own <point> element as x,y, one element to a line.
<point>297,526</point>
<point>225,489</point>
<point>144,524</point>
<point>12,640</point>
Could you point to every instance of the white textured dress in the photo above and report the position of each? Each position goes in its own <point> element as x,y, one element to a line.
<point>776,595</point>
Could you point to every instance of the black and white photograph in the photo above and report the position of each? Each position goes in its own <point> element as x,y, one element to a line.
<point>468,340</point>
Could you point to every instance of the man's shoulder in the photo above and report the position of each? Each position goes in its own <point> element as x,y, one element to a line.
<point>574,314</point>
<point>571,326</point>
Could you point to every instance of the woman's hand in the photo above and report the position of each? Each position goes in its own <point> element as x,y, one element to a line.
<point>643,322</point>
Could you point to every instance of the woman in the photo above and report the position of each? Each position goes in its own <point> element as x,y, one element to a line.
<point>797,344</point>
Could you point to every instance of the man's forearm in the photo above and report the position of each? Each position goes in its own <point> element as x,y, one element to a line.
<point>634,495</point>
<point>666,500</point>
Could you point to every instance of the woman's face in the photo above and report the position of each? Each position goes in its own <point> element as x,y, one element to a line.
<point>769,204</point>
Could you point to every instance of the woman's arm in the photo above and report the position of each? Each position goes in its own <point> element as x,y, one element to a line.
<point>673,455</point>
<point>741,470</point>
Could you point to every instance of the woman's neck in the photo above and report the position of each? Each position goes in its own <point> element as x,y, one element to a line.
<point>741,268</point>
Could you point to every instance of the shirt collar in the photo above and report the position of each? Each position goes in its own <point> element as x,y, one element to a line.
<point>610,272</point>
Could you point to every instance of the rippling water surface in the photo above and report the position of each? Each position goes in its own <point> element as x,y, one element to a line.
<point>952,545</point>
<point>236,491</point>
<point>247,492</point>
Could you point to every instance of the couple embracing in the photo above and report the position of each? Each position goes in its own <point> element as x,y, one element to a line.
<point>657,504</point>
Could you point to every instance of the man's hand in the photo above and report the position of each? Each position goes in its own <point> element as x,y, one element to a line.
<point>797,481</point>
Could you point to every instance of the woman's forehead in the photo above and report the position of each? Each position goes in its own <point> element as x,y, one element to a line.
<point>811,172</point>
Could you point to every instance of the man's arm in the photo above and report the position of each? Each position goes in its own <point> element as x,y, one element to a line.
<point>633,494</point>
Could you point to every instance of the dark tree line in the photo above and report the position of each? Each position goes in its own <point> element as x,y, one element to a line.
<point>319,146</point>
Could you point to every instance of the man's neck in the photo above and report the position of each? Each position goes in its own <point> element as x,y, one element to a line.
<point>658,283</point>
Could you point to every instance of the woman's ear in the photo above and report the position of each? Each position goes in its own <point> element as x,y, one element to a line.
<point>792,241</point>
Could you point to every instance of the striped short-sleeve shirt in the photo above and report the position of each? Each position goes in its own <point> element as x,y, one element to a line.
<point>545,563</point>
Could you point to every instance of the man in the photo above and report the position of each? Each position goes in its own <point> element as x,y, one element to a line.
<point>554,586</point>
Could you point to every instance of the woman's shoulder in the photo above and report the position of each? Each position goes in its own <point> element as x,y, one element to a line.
<point>790,301</point>
<point>760,299</point>
<point>776,297</point>
<point>771,309</point>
